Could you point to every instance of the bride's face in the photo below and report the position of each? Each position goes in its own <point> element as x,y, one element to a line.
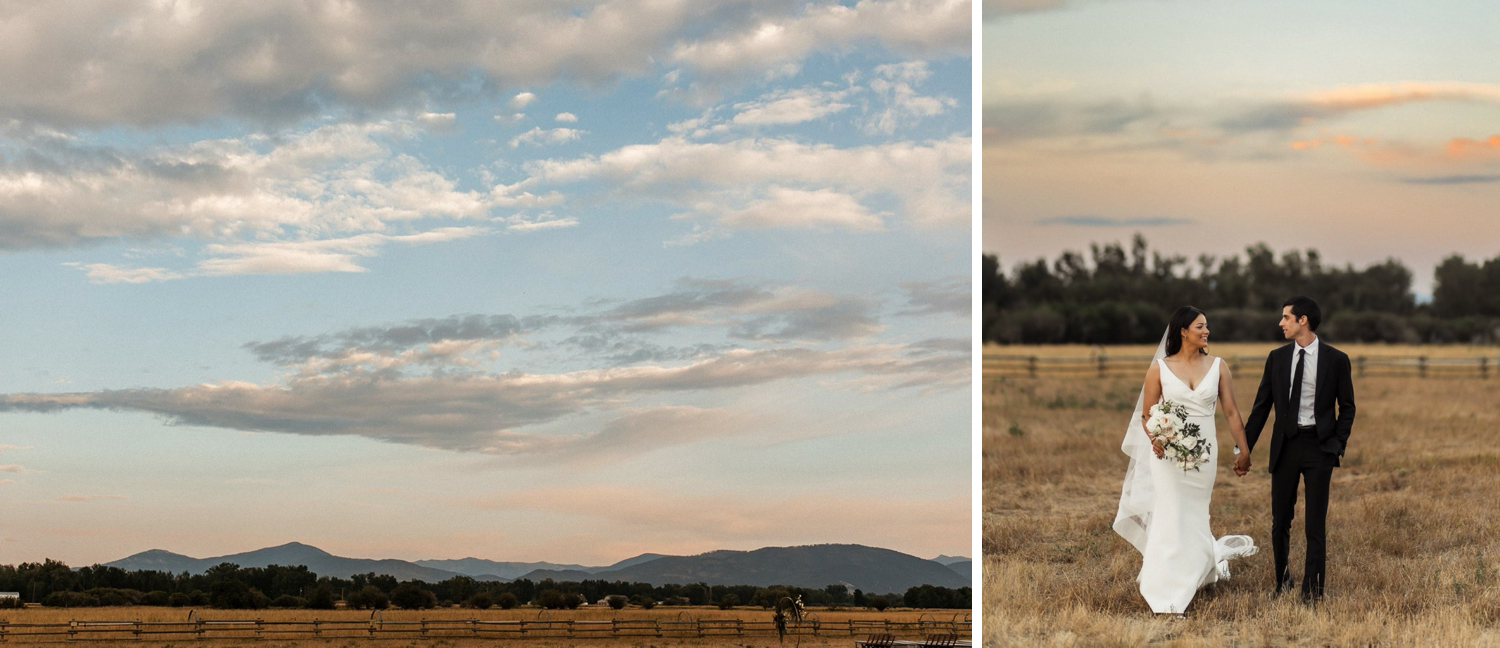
<point>1196,334</point>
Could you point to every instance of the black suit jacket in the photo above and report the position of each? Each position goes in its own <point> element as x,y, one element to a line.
<point>1334,387</point>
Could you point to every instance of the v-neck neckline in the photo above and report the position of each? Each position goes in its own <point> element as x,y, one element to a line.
<point>1184,383</point>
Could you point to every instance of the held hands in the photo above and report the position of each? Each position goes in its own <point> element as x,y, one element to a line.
<point>1242,463</point>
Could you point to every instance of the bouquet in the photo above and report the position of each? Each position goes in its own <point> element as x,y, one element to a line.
<point>1166,423</point>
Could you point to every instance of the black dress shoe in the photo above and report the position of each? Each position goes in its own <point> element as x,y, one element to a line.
<point>1283,585</point>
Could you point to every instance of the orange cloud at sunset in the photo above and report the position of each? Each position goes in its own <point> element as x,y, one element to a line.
<point>1375,95</point>
<point>1463,146</point>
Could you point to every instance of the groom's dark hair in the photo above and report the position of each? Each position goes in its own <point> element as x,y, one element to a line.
<point>1305,307</point>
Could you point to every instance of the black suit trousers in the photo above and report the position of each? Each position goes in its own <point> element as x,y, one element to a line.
<point>1301,458</point>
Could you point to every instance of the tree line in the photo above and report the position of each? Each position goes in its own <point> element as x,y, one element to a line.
<point>1116,295</point>
<point>229,586</point>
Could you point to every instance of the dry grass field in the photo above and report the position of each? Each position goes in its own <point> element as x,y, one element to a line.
<point>663,614</point>
<point>1414,519</point>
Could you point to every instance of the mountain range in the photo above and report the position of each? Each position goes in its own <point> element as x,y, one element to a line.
<point>871,569</point>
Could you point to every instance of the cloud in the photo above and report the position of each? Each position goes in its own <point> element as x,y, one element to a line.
<point>276,257</point>
<point>281,61</point>
<point>797,209</point>
<point>522,225</point>
<point>13,468</point>
<point>918,27</point>
<point>1317,106</point>
<point>931,179</point>
<point>790,107</point>
<point>440,383</point>
<point>105,273</point>
<point>474,412</point>
<point>392,340</point>
<point>1106,221</point>
<point>438,121</point>
<point>566,117</point>
<point>634,432</point>
<point>896,83</point>
<point>317,255</point>
<point>951,297</point>
<point>1462,147</point>
<point>332,179</point>
<point>522,100</point>
<point>997,8</point>
<point>1029,118</point>
<point>748,311</point>
<point>89,498</point>
<point>1453,179</point>
<point>538,136</point>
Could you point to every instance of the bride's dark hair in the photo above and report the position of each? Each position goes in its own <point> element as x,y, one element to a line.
<point>1181,319</point>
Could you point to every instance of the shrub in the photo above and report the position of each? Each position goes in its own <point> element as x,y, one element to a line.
<point>481,601</point>
<point>728,601</point>
<point>616,601</point>
<point>507,601</point>
<point>178,599</point>
<point>11,603</point>
<point>557,600</point>
<point>288,601</point>
<point>157,598</point>
<point>646,601</point>
<point>70,599</point>
<point>879,603</point>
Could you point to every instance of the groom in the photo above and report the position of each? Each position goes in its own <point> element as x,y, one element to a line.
<point>1303,381</point>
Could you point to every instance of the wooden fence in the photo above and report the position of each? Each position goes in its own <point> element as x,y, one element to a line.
<point>1106,365</point>
<point>685,626</point>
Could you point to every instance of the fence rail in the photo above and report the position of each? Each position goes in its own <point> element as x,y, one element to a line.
<point>196,629</point>
<point>1106,365</point>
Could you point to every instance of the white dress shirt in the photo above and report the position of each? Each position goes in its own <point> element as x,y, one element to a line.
<point>1309,381</point>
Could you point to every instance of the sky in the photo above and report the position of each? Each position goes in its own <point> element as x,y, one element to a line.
<point>518,280</point>
<point>1362,130</point>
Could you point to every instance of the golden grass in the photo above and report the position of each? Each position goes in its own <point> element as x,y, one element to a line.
<point>150,614</point>
<point>1414,522</point>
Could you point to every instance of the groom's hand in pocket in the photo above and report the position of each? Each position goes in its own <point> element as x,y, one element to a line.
<point>1242,464</point>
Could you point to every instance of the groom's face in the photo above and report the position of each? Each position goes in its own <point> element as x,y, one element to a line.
<point>1291,325</point>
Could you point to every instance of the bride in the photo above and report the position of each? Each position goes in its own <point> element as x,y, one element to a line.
<point>1164,509</point>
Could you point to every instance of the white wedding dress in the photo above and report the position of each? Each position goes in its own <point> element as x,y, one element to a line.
<point>1164,509</point>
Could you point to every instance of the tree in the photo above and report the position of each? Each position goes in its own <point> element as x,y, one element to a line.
<point>616,602</point>
<point>481,601</point>
<point>728,601</point>
<point>368,597</point>
<point>321,597</point>
<point>411,596</point>
<point>551,599</point>
<point>507,601</point>
<point>837,593</point>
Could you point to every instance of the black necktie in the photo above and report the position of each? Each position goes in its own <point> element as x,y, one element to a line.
<point>1296,393</point>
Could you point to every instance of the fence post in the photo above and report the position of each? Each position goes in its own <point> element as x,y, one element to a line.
<point>1422,367</point>
<point>1484,367</point>
<point>1102,363</point>
<point>1361,362</point>
<point>1032,366</point>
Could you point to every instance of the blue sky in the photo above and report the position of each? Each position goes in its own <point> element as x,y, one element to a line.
<point>540,281</point>
<point>1362,130</point>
